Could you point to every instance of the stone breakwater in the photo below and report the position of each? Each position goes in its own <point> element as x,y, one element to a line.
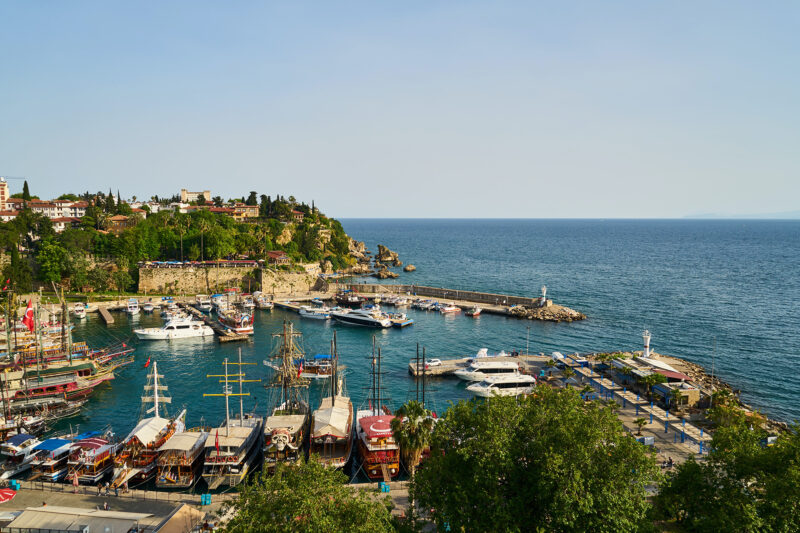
<point>548,313</point>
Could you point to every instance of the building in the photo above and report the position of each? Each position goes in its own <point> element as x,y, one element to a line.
<point>7,216</point>
<point>689,394</point>
<point>244,212</point>
<point>62,223</point>
<point>278,257</point>
<point>3,193</point>
<point>297,215</point>
<point>119,223</point>
<point>189,196</point>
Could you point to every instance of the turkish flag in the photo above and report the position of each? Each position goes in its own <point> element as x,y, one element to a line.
<point>216,443</point>
<point>147,363</point>
<point>300,369</point>
<point>28,318</point>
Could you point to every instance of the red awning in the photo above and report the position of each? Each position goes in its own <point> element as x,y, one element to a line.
<point>669,374</point>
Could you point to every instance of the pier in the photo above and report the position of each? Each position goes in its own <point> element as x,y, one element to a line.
<point>529,364</point>
<point>223,335</point>
<point>106,315</point>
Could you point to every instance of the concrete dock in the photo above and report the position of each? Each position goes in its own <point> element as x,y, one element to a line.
<point>223,335</point>
<point>528,363</point>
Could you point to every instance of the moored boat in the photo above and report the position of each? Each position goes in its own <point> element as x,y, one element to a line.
<point>91,458</point>
<point>318,313</point>
<point>479,370</point>
<point>372,318</point>
<point>348,298</point>
<point>133,307</point>
<point>180,459</point>
<point>239,323</point>
<point>50,461</point>
<point>176,328</point>
<point>475,311</point>
<point>16,454</point>
<point>504,385</point>
<point>79,311</point>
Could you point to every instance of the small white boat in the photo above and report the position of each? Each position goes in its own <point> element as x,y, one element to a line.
<point>203,303</point>
<point>480,370</point>
<point>504,385</point>
<point>475,311</point>
<point>362,317</point>
<point>248,303</point>
<point>449,308</point>
<point>79,311</point>
<point>17,453</point>
<point>133,307</point>
<point>176,328</point>
<point>317,313</point>
<point>148,307</point>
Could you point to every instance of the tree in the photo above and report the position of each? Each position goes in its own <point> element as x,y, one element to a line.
<point>567,372</point>
<point>741,486</point>
<point>412,426</point>
<point>52,262</point>
<point>19,272</point>
<point>306,496</point>
<point>586,390</point>
<point>548,461</point>
<point>675,398</point>
<point>99,278</point>
<point>252,199</point>
<point>26,193</point>
<point>217,201</point>
<point>640,423</point>
<point>203,226</point>
<point>201,200</point>
<point>651,379</point>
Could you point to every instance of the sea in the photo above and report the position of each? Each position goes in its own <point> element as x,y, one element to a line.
<point>721,293</point>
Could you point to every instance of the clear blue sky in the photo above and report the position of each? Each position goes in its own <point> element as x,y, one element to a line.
<point>413,108</point>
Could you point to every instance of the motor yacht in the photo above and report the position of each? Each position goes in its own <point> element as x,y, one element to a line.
<point>504,385</point>
<point>176,328</point>
<point>373,318</point>
<point>480,370</point>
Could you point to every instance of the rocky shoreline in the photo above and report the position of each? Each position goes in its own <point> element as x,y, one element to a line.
<point>547,313</point>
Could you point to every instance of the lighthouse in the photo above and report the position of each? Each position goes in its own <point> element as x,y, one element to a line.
<point>646,337</point>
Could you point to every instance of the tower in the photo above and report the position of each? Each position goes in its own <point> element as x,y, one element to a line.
<point>3,193</point>
<point>646,337</point>
<point>544,292</point>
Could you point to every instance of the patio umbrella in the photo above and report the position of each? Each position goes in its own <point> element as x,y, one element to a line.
<point>7,495</point>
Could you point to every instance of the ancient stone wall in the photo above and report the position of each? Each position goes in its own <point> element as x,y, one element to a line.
<point>208,280</point>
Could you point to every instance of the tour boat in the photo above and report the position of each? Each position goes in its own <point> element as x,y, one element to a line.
<point>504,385</point>
<point>79,311</point>
<point>176,328</point>
<point>91,458</point>
<point>248,303</point>
<point>286,428</point>
<point>318,313</point>
<point>380,453</point>
<point>148,308</point>
<point>348,298</point>
<point>479,370</point>
<point>133,306</point>
<point>373,318</point>
<point>51,457</point>
<point>262,302</point>
<point>16,454</point>
<point>331,441</point>
<point>136,461</point>
<point>239,323</point>
<point>317,367</point>
<point>180,459</point>
<point>475,311</point>
<point>232,450</point>
<point>203,303</point>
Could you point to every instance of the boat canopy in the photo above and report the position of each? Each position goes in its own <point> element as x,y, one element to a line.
<point>332,419</point>
<point>148,429</point>
<point>60,370</point>
<point>87,435</point>
<point>186,441</point>
<point>291,422</point>
<point>51,445</point>
<point>322,356</point>
<point>18,439</point>
<point>375,427</point>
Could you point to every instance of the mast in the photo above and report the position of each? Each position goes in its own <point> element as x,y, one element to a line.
<point>416,375</point>
<point>424,376</point>
<point>155,387</point>
<point>241,397</point>
<point>374,377</point>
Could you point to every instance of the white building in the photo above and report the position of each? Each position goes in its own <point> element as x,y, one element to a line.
<point>189,196</point>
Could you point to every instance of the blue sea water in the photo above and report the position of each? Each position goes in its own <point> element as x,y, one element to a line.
<point>688,282</point>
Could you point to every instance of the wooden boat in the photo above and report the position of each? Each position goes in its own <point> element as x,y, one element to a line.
<point>285,431</point>
<point>348,298</point>
<point>181,459</point>
<point>331,441</point>
<point>475,311</point>
<point>91,458</point>
<point>380,454</point>
<point>50,461</point>
<point>239,323</point>
<point>136,461</point>
<point>318,367</point>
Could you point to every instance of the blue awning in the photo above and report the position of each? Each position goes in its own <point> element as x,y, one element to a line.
<point>51,445</point>
<point>18,439</point>
<point>322,356</point>
<point>87,435</point>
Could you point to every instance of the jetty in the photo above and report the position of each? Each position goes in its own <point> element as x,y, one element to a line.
<point>106,315</point>
<point>223,334</point>
<point>529,363</point>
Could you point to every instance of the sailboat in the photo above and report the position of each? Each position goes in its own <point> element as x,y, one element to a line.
<point>379,452</point>
<point>331,441</point>
<point>233,449</point>
<point>137,459</point>
<point>286,429</point>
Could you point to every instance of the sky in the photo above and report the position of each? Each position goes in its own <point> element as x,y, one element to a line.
<point>410,109</point>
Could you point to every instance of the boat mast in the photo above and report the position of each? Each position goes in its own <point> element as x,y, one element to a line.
<point>155,387</point>
<point>241,396</point>
<point>424,376</point>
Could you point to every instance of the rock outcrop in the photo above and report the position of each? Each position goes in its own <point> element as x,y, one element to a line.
<point>386,274</point>
<point>409,268</point>
<point>550,313</point>
<point>387,256</point>
<point>358,250</point>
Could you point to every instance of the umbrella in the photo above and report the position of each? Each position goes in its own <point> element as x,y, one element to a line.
<point>6,495</point>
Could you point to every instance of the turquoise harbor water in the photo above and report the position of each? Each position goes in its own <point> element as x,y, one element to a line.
<point>686,281</point>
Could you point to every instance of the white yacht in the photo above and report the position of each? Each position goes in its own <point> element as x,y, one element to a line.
<point>133,307</point>
<point>176,328</point>
<point>203,303</point>
<point>504,385</point>
<point>148,308</point>
<point>480,370</point>
<point>17,453</point>
<point>319,313</point>
<point>373,318</point>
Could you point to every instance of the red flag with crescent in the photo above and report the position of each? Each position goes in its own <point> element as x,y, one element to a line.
<point>147,363</point>
<point>216,443</point>
<point>300,369</point>
<point>28,318</point>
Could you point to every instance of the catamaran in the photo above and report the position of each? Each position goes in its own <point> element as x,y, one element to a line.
<point>137,459</point>
<point>286,429</point>
<point>332,424</point>
<point>233,449</point>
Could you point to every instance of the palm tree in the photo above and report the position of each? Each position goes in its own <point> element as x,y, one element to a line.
<point>588,389</point>
<point>412,427</point>
<point>675,397</point>
<point>640,423</point>
<point>203,226</point>
<point>568,372</point>
<point>182,224</point>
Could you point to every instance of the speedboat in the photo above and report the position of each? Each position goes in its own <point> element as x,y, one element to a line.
<point>148,308</point>
<point>17,453</point>
<point>373,318</point>
<point>475,311</point>
<point>203,303</point>
<point>319,313</point>
<point>133,307</point>
<point>480,370</point>
<point>79,311</point>
<point>176,328</point>
<point>504,385</point>
<point>449,308</point>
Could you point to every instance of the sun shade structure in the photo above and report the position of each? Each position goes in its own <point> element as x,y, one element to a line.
<point>332,418</point>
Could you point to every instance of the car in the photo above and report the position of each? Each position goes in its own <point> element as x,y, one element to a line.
<point>433,362</point>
